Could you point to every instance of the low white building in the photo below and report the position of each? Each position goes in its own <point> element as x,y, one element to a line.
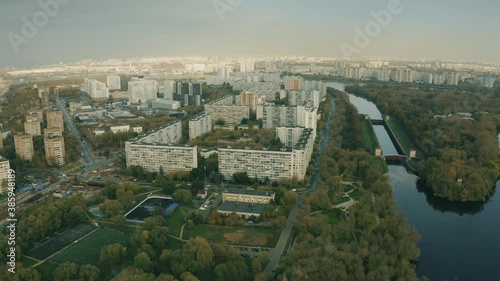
<point>137,129</point>
<point>120,129</point>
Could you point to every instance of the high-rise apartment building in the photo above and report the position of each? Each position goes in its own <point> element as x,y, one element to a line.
<point>114,83</point>
<point>54,150</point>
<point>55,119</point>
<point>96,89</point>
<point>33,128</point>
<point>142,90</point>
<point>273,165</point>
<point>23,144</point>
<point>200,126</point>
<point>52,132</point>
<point>293,83</point>
<point>4,174</point>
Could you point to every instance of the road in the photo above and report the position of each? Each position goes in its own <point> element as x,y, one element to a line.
<point>87,156</point>
<point>275,255</point>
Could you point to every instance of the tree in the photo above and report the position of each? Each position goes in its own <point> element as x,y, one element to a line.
<point>89,272</point>
<point>195,256</point>
<point>187,276</point>
<point>125,197</point>
<point>259,262</point>
<point>112,255</point>
<point>241,178</point>
<point>184,197</point>
<point>66,271</point>
<point>111,208</point>
<point>232,271</point>
<point>168,187</point>
<point>143,261</point>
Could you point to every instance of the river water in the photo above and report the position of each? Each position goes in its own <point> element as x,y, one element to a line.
<point>459,241</point>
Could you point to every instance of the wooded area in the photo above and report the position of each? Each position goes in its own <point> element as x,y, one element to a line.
<point>462,158</point>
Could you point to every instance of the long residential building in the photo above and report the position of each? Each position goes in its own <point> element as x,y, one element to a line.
<point>169,134</point>
<point>230,114</point>
<point>273,165</point>
<point>200,125</point>
<point>158,149</point>
<point>152,157</point>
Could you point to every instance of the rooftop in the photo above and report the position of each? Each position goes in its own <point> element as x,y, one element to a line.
<point>249,192</point>
<point>241,207</point>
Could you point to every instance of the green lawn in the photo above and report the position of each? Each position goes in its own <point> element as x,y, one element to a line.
<point>400,131</point>
<point>334,216</point>
<point>369,138</point>
<point>175,222</point>
<point>27,261</point>
<point>251,236</point>
<point>88,251</point>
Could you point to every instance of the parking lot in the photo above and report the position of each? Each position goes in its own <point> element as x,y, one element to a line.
<point>213,200</point>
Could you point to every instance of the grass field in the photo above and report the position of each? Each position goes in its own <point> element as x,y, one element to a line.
<point>400,131</point>
<point>175,222</point>
<point>334,216</point>
<point>56,242</point>
<point>262,237</point>
<point>88,251</point>
<point>369,138</point>
<point>27,261</point>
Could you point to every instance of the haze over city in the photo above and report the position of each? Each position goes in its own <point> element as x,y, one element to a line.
<point>448,30</point>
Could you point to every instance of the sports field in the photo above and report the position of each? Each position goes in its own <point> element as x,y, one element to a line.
<point>57,241</point>
<point>88,251</point>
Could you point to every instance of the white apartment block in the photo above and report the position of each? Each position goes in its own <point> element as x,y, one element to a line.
<point>227,100</point>
<point>152,157</point>
<point>247,66</point>
<point>142,90</point>
<point>199,126</point>
<point>301,98</point>
<point>114,83</point>
<point>170,134</point>
<point>276,116</point>
<point>120,129</point>
<point>95,89</point>
<point>275,165</point>
<point>230,114</point>
<point>307,117</point>
<point>4,174</point>
<point>169,89</point>
<point>289,136</point>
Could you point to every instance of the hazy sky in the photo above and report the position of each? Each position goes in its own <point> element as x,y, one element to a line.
<point>97,29</point>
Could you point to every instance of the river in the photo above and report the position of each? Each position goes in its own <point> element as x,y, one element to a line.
<point>459,241</point>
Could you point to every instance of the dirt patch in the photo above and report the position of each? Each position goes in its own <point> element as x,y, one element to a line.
<point>240,238</point>
<point>235,237</point>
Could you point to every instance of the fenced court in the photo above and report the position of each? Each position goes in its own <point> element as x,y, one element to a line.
<point>88,250</point>
<point>54,243</point>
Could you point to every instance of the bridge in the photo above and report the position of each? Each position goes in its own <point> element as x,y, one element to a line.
<point>396,158</point>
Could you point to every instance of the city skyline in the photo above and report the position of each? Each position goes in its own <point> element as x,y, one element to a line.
<point>458,30</point>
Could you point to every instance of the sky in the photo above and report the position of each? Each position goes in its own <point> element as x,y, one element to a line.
<point>101,29</point>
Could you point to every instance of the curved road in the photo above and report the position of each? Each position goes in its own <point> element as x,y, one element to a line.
<point>276,254</point>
